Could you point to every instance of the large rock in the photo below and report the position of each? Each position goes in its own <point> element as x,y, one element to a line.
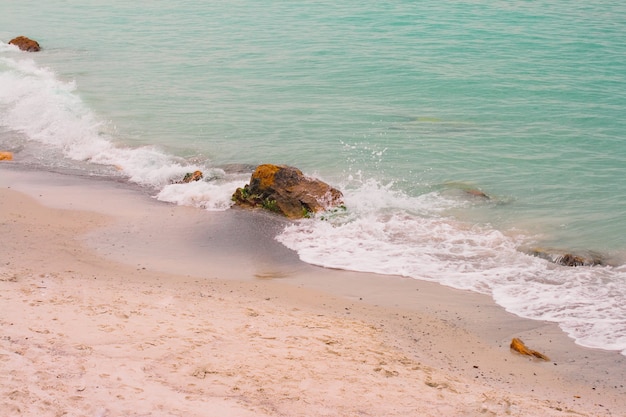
<point>284,189</point>
<point>25,44</point>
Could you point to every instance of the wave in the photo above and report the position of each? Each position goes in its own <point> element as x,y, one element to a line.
<point>46,110</point>
<point>387,232</point>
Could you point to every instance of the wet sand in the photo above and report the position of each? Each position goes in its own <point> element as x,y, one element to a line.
<point>115,304</point>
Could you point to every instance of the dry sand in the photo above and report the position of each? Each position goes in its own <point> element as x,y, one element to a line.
<point>106,311</point>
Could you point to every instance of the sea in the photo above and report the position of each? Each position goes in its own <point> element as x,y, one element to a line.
<point>466,136</point>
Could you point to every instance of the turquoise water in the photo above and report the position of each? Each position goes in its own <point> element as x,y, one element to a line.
<point>402,105</point>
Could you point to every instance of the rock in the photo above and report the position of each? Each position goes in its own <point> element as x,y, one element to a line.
<point>464,190</point>
<point>286,190</point>
<point>570,260</point>
<point>6,156</point>
<point>477,193</point>
<point>191,176</point>
<point>25,44</point>
<point>518,346</point>
<point>238,168</point>
<point>561,257</point>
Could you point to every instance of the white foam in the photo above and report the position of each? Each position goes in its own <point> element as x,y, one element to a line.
<point>387,232</point>
<point>48,110</point>
<point>214,196</point>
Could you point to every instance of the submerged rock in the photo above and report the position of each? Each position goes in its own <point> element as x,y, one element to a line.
<point>286,190</point>
<point>474,192</point>
<point>463,189</point>
<point>237,168</point>
<point>564,258</point>
<point>573,260</point>
<point>25,44</point>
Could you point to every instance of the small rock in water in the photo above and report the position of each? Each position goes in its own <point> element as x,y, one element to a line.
<point>25,44</point>
<point>191,176</point>
<point>464,189</point>
<point>561,257</point>
<point>477,193</point>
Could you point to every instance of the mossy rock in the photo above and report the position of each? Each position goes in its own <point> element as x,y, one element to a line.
<point>286,190</point>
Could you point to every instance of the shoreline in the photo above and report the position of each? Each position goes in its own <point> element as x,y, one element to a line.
<point>298,339</point>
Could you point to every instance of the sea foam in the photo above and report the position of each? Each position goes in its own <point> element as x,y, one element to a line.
<point>48,110</point>
<point>387,232</point>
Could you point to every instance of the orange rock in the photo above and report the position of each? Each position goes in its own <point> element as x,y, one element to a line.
<point>25,44</point>
<point>286,190</point>
<point>519,346</point>
<point>265,174</point>
<point>192,176</point>
<point>6,156</point>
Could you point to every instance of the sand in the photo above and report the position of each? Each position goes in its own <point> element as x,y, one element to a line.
<point>114,304</point>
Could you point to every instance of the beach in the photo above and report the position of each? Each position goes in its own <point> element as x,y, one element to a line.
<point>107,311</point>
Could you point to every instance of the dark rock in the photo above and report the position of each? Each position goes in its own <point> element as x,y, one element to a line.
<point>286,190</point>
<point>477,193</point>
<point>572,260</point>
<point>560,257</point>
<point>191,176</point>
<point>25,44</point>
<point>462,189</point>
